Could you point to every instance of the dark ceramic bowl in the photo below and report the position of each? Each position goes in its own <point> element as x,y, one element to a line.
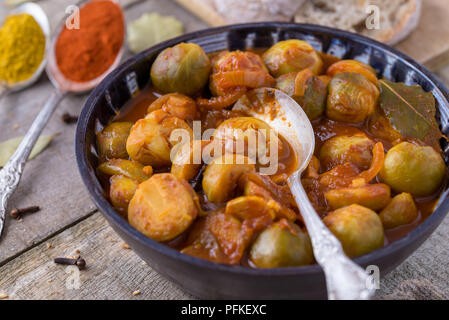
<point>209,280</point>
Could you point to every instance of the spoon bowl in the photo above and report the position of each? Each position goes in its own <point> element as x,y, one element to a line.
<point>41,18</point>
<point>285,115</point>
<point>61,82</point>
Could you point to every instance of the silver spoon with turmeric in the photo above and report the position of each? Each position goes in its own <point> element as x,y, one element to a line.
<point>345,279</point>
<point>11,173</point>
<point>19,74</point>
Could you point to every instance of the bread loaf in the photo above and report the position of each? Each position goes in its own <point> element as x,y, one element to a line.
<point>397,17</point>
<point>240,11</point>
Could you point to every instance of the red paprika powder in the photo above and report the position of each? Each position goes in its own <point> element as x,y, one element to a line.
<point>86,53</point>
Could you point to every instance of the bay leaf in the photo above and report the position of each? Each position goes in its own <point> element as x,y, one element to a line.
<point>411,111</point>
<point>150,29</point>
<point>7,148</point>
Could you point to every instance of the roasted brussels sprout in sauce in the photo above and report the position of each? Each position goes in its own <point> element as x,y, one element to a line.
<point>282,244</point>
<point>308,90</point>
<point>415,169</point>
<point>183,68</point>
<point>358,228</point>
<point>292,56</point>
<point>111,140</point>
<point>352,98</point>
<point>198,193</point>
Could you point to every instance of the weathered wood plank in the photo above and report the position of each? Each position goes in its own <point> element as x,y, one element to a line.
<point>424,275</point>
<point>428,42</point>
<point>112,272</point>
<point>52,180</point>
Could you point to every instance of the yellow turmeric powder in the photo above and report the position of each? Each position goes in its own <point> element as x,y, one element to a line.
<point>22,48</point>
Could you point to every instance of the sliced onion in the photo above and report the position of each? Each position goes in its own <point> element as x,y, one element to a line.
<point>376,164</point>
<point>250,79</point>
<point>300,82</point>
<point>218,103</point>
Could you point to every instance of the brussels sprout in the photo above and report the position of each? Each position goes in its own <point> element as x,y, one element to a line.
<point>359,229</point>
<point>121,192</point>
<point>238,131</point>
<point>131,169</point>
<point>373,196</point>
<point>340,149</point>
<point>354,67</point>
<point>351,98</point>
<point>286,83</point>
<point>418,170</point>
<point>282,244</point>
<point>222,174</point>
<point>111,141</point>
<point>401,210</point>
<point>292,56</point>
<point>149,140</point>
<point>183,68</point>
<point>163,207</point>
<point>313,101</point>
<point>231,69</point>
<point>185,165</point>
<point>177,105</point>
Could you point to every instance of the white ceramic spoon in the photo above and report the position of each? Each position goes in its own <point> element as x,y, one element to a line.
<point>344,278</point>
<point>41,18</point>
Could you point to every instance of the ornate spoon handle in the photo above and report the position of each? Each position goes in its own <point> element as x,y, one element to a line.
<point>11,173</point>
<point>345,280</point>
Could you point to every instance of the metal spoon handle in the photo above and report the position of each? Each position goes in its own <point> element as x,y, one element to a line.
<point>12,172</point>
<point>345,280</point>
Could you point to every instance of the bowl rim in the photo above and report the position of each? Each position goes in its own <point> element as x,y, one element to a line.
<point>96,192</point>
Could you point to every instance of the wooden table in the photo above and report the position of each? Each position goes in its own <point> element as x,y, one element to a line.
<point>68,220</point>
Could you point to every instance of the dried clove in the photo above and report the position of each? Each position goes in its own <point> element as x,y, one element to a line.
<point>79,262</point>
<point>17,213</point>
<point>68,118</point>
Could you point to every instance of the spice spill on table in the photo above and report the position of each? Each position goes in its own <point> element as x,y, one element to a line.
<point>136,293</point>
